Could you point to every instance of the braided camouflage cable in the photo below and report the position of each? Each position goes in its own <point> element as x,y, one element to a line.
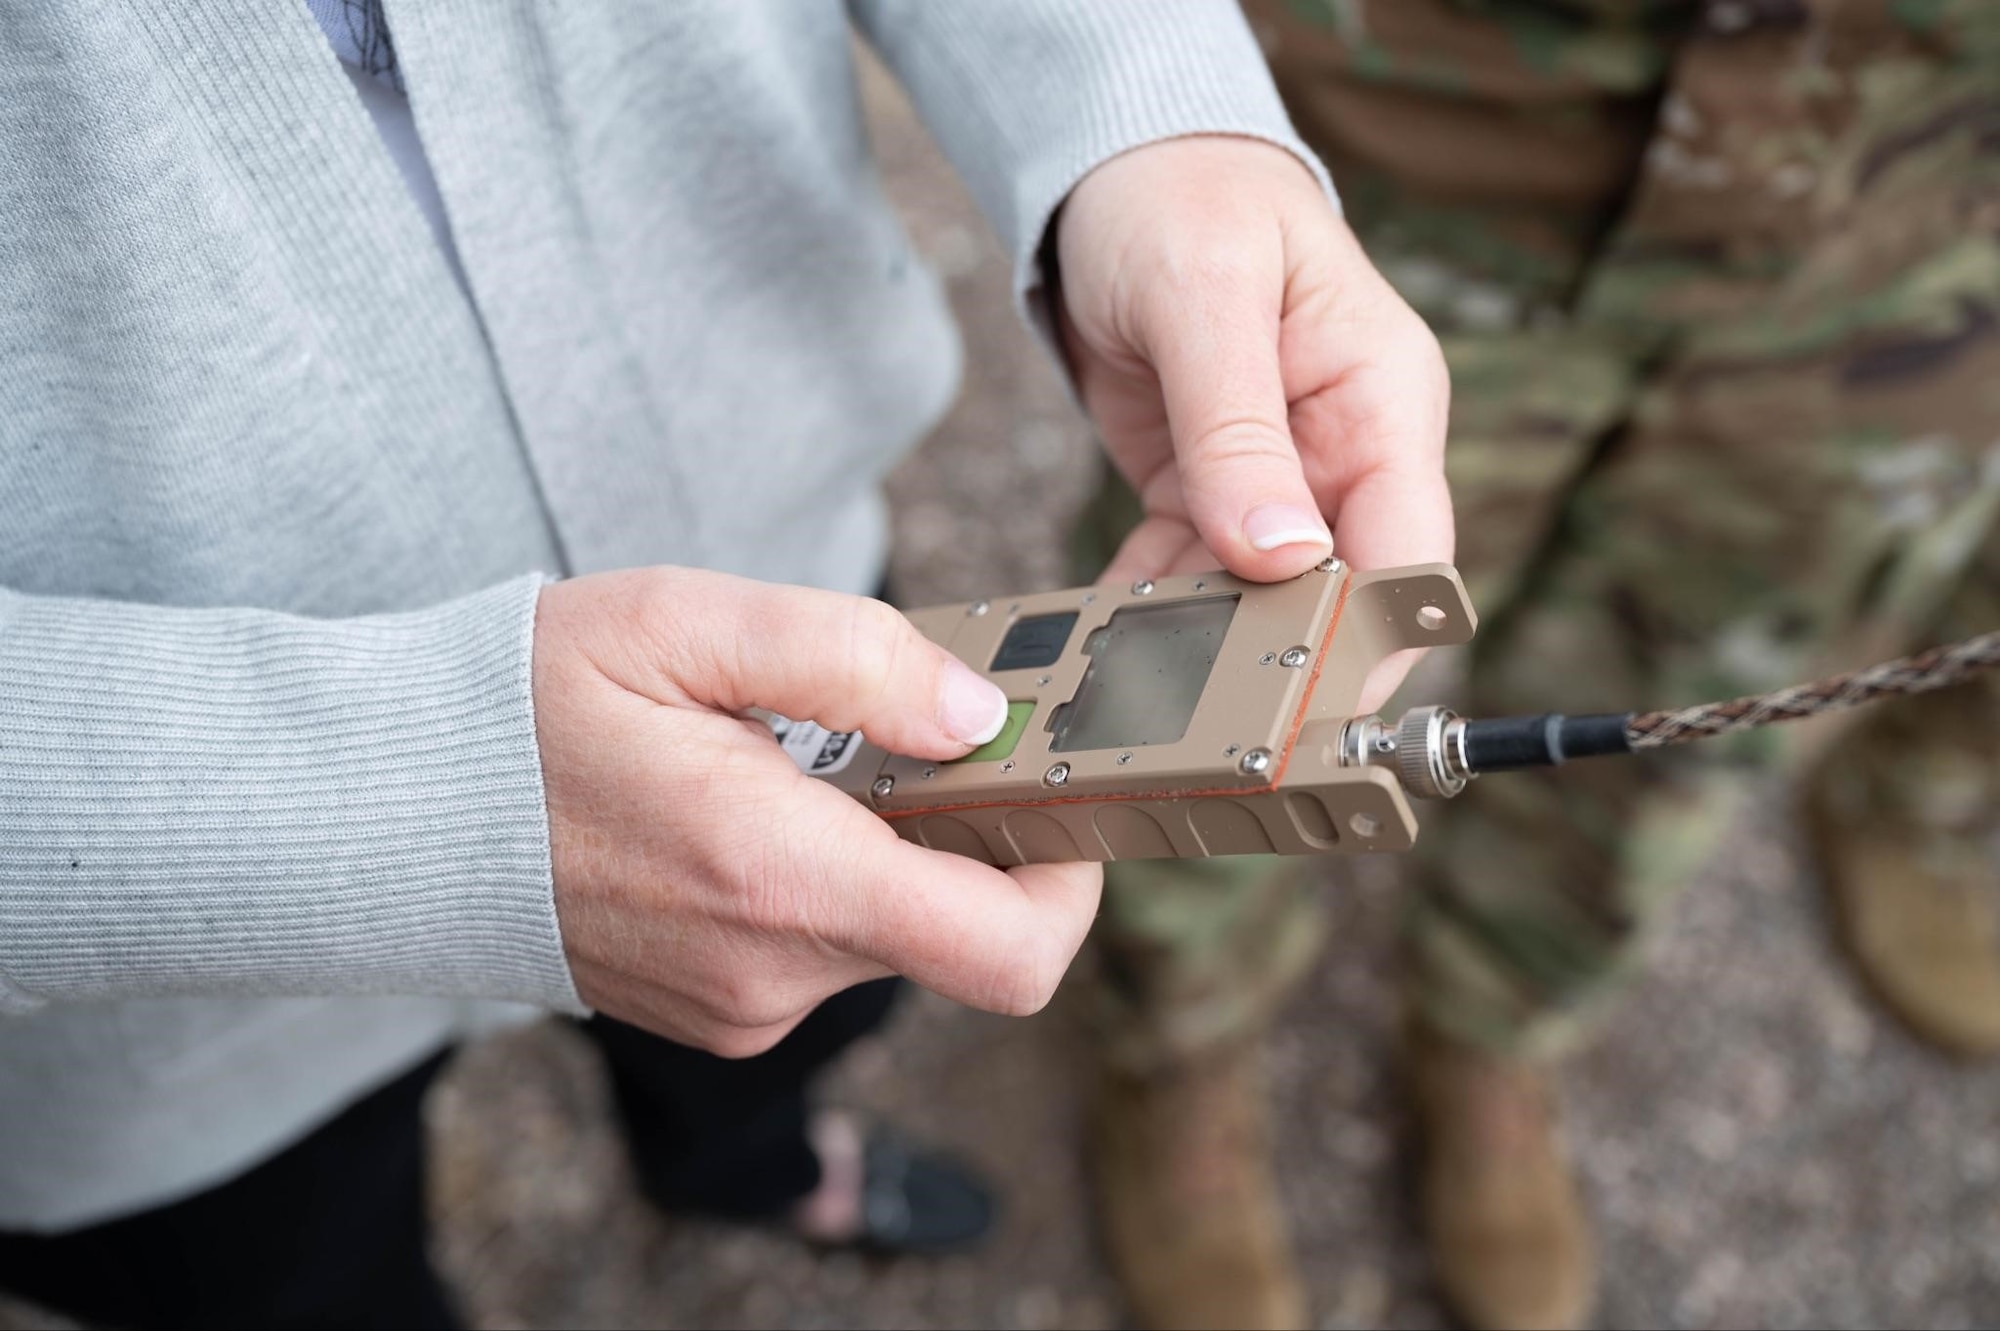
<point>1937,668</point>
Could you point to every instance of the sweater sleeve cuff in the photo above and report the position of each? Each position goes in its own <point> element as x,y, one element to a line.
<point>1135,105</point>
<point>243,802</point>
<point>1029,96</point>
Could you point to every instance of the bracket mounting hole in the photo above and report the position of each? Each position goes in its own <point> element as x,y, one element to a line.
<point>1430,618</point>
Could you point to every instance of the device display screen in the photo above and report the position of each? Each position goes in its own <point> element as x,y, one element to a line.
<point>1034,643</point>
<point>1148,666</point>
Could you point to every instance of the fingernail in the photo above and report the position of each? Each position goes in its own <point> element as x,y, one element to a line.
<point>1271,526</point>
<point>974,710</point>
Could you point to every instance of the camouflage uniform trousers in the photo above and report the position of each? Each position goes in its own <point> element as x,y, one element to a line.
<point>1724,418</point>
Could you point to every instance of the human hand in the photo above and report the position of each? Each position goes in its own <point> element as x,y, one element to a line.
<point>707,889</point>
<point>1253,376</point>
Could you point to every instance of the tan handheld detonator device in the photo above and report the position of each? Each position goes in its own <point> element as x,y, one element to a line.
<point>1178,718</point>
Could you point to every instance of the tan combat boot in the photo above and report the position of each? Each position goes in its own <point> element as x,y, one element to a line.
<point>1918,908</point>
<point>1508,1235</point>
<point>1182,1165</point>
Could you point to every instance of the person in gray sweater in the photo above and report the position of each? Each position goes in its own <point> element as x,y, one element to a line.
<point>424,431</point>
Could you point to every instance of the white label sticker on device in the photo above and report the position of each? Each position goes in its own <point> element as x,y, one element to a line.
<point>817,750</point>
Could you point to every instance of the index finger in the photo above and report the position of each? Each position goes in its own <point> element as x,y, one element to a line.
<point>1213,339</point>
<point>1391,505</point>
<point>996,940</point>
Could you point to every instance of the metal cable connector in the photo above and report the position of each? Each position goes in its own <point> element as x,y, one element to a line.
<point>1430,753</point>
<point>1425,749</point>
<point>1434,752</point>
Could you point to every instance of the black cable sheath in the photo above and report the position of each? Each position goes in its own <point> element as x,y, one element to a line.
<point>1509,743</point>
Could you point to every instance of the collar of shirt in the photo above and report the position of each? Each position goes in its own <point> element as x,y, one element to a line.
<point>360,36</point>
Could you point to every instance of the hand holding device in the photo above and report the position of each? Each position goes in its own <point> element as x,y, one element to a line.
<point>706,888</point>
<point>1253,376</point>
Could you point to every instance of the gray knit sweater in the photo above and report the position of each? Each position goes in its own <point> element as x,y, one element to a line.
<point>274,493</point>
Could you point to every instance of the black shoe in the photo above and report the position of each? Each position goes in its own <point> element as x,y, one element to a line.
<point>917,1201</point>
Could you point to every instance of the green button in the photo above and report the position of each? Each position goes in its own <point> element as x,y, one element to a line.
<point>1002,744</point>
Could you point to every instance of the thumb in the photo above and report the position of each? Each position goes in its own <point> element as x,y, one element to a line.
<point>847,662</point>
<point>1214,346</point>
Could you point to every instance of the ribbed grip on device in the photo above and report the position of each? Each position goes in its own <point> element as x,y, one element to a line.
<point>1420,755</point>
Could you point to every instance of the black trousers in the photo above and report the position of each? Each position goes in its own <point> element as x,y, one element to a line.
<point>331,1232</point>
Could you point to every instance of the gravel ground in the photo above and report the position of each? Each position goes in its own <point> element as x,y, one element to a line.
<point>1759,1145</point>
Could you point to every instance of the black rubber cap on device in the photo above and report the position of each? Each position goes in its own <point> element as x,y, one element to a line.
<point>1508,743</point>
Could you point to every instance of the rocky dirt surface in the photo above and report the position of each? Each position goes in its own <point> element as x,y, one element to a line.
<point>1760,1146</point>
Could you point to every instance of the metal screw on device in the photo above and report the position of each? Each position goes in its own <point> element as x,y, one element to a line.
<point>884,787</point>
<point>1331,564</point>
<point>1294,657</point>
<point>1255,763</point>
<point>1057,775</point>
<point>979,608</point>
<point>1143,587</point>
